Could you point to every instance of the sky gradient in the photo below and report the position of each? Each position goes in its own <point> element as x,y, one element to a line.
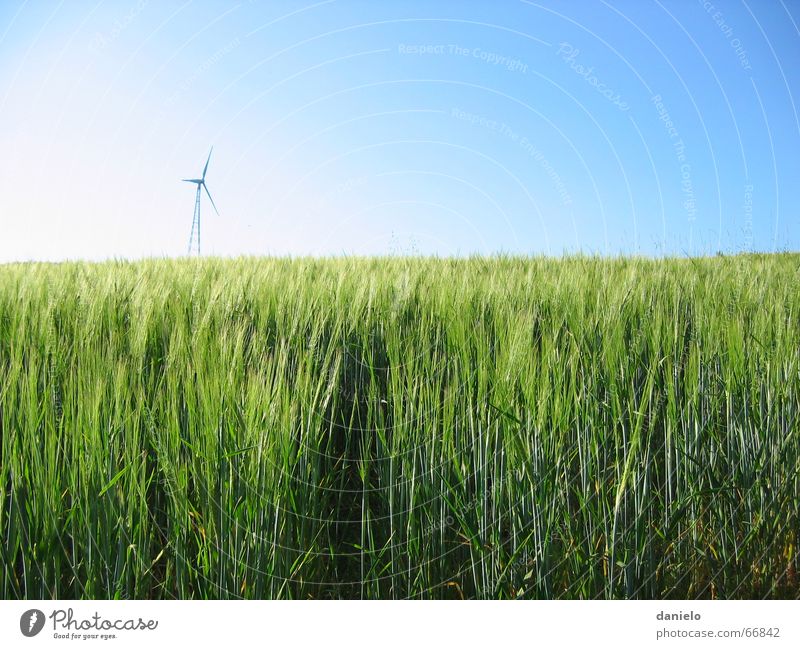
<point>355,127</point>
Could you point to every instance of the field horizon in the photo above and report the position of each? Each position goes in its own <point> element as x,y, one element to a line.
<point>496,256</point>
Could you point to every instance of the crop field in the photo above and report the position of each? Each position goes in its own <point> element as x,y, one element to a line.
<point>501,427</point>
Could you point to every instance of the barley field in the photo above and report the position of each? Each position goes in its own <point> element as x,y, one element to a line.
<point>500,427</point>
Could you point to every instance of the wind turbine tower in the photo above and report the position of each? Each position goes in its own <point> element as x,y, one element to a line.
<point>201,184</point>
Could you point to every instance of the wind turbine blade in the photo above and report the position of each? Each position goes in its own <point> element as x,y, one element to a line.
<point>192,180</point>
<point>206,167</point>
<point>211,199</point>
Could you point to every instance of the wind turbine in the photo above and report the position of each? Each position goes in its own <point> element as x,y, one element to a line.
<point>201,184</point>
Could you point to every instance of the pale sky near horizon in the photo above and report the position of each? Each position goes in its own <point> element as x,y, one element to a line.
<point>354,127</point>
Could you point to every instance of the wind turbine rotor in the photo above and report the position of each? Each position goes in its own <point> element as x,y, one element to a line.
<point>208,193</point>
<point>207,161</point>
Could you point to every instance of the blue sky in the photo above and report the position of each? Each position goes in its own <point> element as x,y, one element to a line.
<point>355,127</point>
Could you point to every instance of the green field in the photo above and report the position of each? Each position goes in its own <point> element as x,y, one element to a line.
<point>401,428</point>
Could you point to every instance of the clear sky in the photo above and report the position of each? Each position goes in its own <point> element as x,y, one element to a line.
<point>414,127</point>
